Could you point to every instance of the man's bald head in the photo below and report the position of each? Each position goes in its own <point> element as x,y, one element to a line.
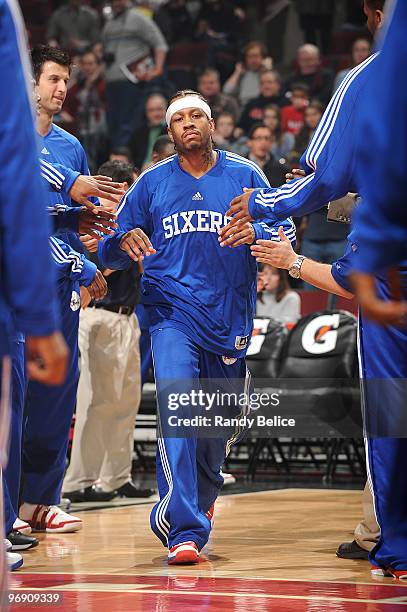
<point>308,58</point>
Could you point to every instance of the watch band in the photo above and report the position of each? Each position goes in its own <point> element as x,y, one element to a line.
<point>295,270</point>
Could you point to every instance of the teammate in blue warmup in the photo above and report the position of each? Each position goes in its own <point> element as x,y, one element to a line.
<point>382,225</point>
<point>330,164</point>
<point>44,452</point>
<point>26,271</point>
<point>71,269</point>
<point>200,300</point>
<point>381,232</point>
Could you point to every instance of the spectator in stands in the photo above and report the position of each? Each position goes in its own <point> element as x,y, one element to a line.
<point>122,154</point>
<point>73,27</point>
<point>292,116</point>
<point>316,21</point>
<point>84,112</point>
<point>163,148</point>
<point>129,39</point>
<point>310,72</point>
<point>312,116</point>
<point>209,86</point>
<point>109,386</point>
<point>275,298</point>
<point>225,136</point>
<point>175,21</point>
<point>361,50</point>
<point>219,24</point>
<point>244,83</point>
<point>282,142</point>
<point>270,93</point>
<point>259,143</point>
<point>219,20</point>
<point>143,138</point>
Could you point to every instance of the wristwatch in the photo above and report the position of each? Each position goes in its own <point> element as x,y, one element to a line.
<point>295,270</point>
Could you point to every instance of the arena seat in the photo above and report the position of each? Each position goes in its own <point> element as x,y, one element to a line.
<point>317,383</point>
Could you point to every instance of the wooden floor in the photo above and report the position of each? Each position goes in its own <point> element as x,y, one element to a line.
<point>273,550</point>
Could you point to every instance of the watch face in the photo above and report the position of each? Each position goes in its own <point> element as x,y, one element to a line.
<point>294,272</point>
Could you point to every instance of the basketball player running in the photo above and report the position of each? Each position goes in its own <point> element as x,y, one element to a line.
<point>200,300</point>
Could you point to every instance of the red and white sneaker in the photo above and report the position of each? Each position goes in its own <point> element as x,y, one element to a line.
<point>389,573</point>
<point>209,514</point>
<point>184,553</point>
<point>49,518</point>
<point>399,574</point>
<point>21,527</point>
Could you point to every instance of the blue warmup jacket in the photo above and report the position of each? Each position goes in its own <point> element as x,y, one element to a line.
<point>66,154</point>
<point>27,285</point>
<point>381,225</point>
<point>192,283</point>
<point>330,159</point>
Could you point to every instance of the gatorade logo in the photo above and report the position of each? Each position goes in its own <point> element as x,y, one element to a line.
<point>321,334</point>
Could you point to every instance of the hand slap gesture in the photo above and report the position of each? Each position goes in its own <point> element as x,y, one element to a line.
<point>277,253</point>
<point>137,245</point>
<point>239,210</point>
<point>243,233</point>
<point>91,222</point>
<point>96,186</point>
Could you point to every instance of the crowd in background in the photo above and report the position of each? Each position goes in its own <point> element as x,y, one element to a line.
<point>130,57</point>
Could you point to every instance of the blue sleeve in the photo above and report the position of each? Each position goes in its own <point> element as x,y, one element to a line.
<point>342,268</point>
<point>28,278</point>
<point>268,229</point>
<point>67,218</point>
<point>58,176</point>
<point>84,169</point>
<point>328,161</point>
<point>133,212</point>
<point>300,197</point>
<point>265,231</point>
<point>70,263</point>
<point>63,217</point>
<point>380,221</point>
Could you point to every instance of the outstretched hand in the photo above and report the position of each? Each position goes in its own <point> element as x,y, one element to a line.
<point>276,253</point>
<point>137,245</point>
<point>97,186</point>
<point>243,233</point>
<point>239,210</point>
<point>98,287</point>
<point>92,222</point>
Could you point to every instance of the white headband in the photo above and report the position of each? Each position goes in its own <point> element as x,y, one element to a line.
<point>187,102</point>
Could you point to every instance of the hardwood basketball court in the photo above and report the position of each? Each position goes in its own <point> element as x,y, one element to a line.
<point>273,550</point>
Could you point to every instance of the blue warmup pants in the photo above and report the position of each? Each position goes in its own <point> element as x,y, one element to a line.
<point>146,359</point>
<point>12,472</point>
<point>188,468</point>
<point>383,355</point>
<point>49,417</point>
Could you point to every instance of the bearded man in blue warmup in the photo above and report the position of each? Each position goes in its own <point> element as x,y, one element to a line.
<point>200,300</point>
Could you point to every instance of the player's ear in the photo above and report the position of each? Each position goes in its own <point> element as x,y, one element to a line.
<point>212,125</point>
<point>171,137</point>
